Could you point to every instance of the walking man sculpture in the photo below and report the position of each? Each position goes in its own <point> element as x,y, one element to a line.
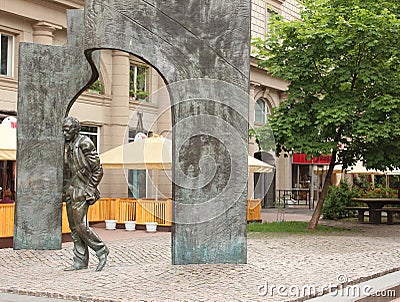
<point>82,174</point>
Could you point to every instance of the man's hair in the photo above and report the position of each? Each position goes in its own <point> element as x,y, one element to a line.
<point>74,122</point>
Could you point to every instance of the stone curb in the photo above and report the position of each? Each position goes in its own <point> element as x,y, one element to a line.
<point>353,282</point>
<point>82,298</point>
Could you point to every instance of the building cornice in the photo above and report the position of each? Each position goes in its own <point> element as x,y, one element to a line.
<point>148,107</point>
<point>95,99</point>
<point>52,11</point>
<point>7,83</point>
<point>71,3</point>
<point>65,3</point>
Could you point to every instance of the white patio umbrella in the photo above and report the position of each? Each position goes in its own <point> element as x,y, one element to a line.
<point>393,172</point>
<point>359,168</point>
<point>258,166</point>
<point>155,153</point>
<point>8,143</point>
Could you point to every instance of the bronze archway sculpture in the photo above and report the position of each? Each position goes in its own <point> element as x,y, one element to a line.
<point>201,49</point>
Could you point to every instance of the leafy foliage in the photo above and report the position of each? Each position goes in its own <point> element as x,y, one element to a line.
<point>337,199</point>
<point>137,83</point>
<point>362,183</point>
<point>264,137</point>
<point>343,63</point>
<point>97,86</point>
<point>379,191</point>
<point>342,60</point>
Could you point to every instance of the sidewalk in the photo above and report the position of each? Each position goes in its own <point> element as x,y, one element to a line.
<point>286,214</point>
<point>139,268</point>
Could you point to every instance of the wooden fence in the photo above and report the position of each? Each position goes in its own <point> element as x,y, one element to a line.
<point>121,209</point>
<point>7,220</point>
<point>253,210</point>
<point>127,209</point>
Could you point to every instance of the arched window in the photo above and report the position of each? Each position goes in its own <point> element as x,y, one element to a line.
<point>259,111</point>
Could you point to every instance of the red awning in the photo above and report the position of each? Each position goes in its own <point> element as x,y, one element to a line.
<point>301,158</point>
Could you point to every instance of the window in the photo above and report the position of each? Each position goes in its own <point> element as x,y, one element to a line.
<point>6,55</point>
<point>270,14</point>
<point>93,133</point>
<point>97,87</point>
<point>260,111</point>
<point>138,82</point>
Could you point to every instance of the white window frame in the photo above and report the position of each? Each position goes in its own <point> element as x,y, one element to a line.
<point>135,67</point>
<point>269,13</point>
<point>96,134</point>
<point>10,54</point>
<point>263,113</point>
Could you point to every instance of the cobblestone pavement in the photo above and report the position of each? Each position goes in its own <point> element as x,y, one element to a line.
<point>139,268</point>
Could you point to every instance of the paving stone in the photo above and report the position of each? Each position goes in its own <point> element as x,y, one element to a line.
<point>140,269</point>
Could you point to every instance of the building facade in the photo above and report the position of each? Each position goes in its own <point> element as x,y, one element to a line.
<point>109,109</point>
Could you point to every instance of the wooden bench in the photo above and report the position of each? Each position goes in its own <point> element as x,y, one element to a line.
<point>389,212</point>
<point>361,212</point>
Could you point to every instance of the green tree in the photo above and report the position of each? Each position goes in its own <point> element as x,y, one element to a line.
<point>264,137</point>
<point>342,61</point>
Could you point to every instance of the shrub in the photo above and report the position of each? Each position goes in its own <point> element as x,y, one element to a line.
<point>336,201</point>
<point>380,192</point>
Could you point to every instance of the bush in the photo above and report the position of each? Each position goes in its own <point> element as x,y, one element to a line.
<point>336,200</point>
<point>380,192</point>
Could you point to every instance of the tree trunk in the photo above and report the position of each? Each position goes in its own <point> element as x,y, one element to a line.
<point>312,225</point>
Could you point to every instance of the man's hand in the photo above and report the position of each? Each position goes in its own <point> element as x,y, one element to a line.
<point>90,194</point>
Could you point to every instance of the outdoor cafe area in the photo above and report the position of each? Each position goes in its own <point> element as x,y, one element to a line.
<point>376,209</point>
<point>153,153</point>
<point>379,196</point>
<point>120,209</point>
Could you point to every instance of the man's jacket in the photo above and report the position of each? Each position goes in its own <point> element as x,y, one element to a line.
<point>84,157</point>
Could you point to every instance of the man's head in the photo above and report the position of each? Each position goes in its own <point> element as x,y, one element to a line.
<point>71,128</point>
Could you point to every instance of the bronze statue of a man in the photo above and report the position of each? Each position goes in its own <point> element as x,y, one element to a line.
<point>82,174</point>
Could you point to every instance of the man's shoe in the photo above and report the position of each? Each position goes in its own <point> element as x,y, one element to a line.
<point>102,261</point>
<point>74,268</point>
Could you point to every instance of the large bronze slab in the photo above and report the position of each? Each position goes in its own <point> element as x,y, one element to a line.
<point>50,78</point>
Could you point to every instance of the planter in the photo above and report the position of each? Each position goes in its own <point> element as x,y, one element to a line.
<point>111,224</point>
<point>151,227</point>
<point>130,225</point>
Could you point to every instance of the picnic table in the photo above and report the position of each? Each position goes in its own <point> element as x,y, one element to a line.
<point>376,206</point>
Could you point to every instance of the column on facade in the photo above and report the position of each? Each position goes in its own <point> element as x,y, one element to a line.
<point>250,182</point>
<point>116,133</point>
<point>43,32</point>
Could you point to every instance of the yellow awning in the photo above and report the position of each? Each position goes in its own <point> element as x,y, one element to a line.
<point>155,153</point>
